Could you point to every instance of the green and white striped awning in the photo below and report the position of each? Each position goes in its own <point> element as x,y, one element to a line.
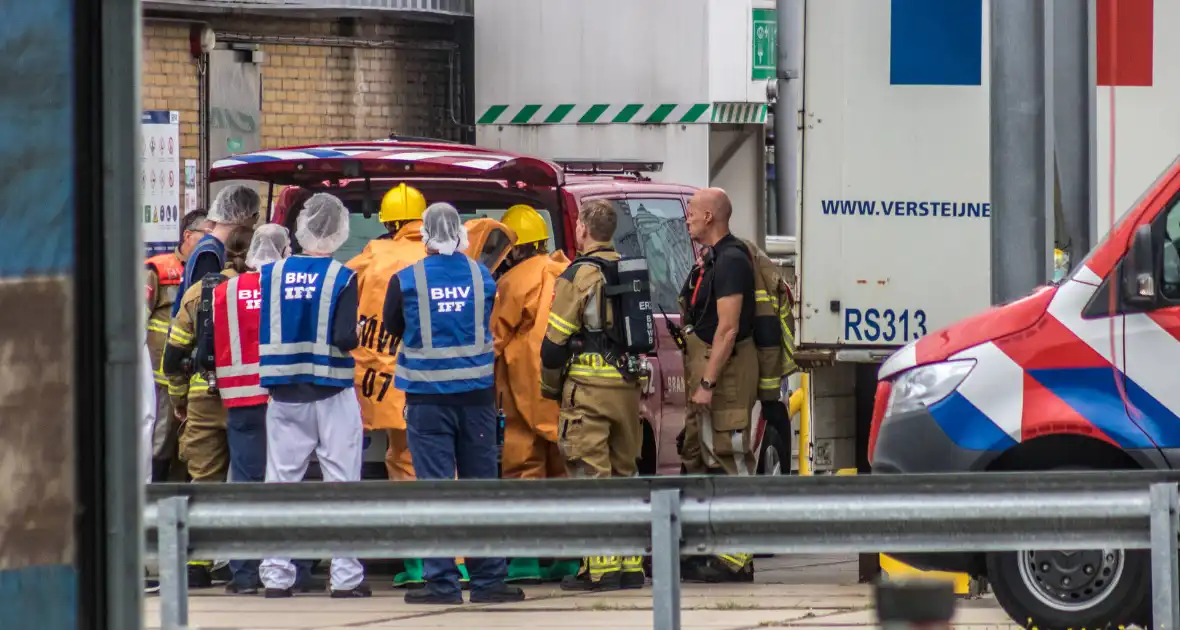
<point>624,114</point>
<point>742,113</point>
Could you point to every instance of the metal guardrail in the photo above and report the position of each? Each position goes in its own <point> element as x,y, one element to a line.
<point>668,517</point>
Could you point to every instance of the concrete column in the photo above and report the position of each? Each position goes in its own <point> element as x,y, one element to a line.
<point>1074,122</point>
<point>789,66</point>
<point>1021,148</point>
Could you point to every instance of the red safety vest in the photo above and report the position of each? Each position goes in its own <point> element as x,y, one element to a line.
<point>169,269</point>
<point>237,305</point>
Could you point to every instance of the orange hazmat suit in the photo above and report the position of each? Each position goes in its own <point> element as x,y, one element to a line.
<point>519,319</point>
<point>382,404</point>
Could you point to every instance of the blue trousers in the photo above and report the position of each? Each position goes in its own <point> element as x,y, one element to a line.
<point>444,439</point>
<point>245,430</point>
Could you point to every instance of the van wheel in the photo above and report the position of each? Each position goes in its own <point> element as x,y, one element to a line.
<point>1072,589</point>
<point>775,458</point>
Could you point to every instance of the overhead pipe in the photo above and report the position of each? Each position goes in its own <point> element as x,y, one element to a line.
<point>337,42</point>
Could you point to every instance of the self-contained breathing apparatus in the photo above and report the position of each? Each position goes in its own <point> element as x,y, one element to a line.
<point>631,332</point>
<point>203,360</point>
<point>773,312</point>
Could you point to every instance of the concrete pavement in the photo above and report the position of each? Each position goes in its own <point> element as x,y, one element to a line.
<point>805,592</point>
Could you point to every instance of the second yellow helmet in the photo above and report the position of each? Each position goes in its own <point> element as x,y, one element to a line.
<point>528,224</point>
<point>402,203</point>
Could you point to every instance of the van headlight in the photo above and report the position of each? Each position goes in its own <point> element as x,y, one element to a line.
<point>925,385</point>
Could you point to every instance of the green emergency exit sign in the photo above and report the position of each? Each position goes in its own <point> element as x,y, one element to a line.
<point>762,61</point>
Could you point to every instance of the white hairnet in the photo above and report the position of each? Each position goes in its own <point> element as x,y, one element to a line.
<point>322,226</point>
<point>442,230</point>
<point>235,205</point>
<point>271,243</point>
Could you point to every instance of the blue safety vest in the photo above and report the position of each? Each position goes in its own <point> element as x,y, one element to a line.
<point>207,244</point>
<point>299,296</point>
<point>447,347</point>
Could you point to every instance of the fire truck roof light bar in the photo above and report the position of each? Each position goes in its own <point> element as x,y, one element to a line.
<point>572,165</point>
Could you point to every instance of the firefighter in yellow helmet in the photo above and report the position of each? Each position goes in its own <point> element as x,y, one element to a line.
<point>524,291</point>
<point>382,404</point>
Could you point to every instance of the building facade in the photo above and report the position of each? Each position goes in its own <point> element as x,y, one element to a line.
<point>318,72</point>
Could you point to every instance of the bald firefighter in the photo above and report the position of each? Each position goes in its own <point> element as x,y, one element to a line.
<point>599,431</point>
<point>721,366</point>
<point>524,292</point>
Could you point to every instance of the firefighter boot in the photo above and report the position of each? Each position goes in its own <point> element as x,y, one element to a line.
<point>718,569</point>
<point>740,566</point>
<point>633,576</point>
<point>598,573</point>
<point>200,574</point>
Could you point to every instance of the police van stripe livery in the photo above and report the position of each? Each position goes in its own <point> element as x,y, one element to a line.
<point>1066,380</point>
<point>466,159</point>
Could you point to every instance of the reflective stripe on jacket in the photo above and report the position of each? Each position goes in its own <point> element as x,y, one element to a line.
<point>447,347</point>
<point>236,308</point>
<point>165,273</point>
<point>299,296</point>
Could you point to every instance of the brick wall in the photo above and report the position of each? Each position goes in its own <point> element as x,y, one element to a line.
<point>313,94</point>
<point>170,79</point>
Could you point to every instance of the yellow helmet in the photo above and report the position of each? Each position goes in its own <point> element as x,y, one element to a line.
<point>527,223</point>
<point>402,203</point>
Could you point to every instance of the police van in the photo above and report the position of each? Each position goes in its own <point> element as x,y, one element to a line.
<point>485,183</point>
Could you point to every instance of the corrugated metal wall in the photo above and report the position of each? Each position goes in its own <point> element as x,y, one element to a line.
<point>38,579</point>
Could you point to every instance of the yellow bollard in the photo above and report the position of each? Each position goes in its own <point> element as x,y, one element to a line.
<point>895,569</point>
<point>800,403</point>
<point>795,405</point>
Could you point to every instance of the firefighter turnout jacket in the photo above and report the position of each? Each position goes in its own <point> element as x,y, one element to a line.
<point>575,317</point>
<point>184,386</point>
<point>599,430</point>
<point>164,275</point>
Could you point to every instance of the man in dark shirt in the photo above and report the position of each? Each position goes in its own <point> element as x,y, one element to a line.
<point>720,363</point>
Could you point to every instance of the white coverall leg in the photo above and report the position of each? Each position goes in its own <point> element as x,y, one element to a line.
<point>332,429</point>
<point>147,396</point>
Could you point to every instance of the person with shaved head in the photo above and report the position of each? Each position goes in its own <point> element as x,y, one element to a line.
<point>720,364</point>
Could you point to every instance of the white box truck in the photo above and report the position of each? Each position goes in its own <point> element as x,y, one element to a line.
<point>893,138</point>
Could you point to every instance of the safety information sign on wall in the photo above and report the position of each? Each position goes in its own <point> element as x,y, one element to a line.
<point>160,181</point>
<point>763,62</point>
